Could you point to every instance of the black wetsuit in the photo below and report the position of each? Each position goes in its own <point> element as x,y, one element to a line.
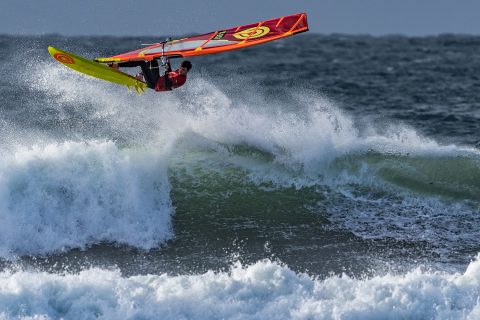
<point>150,70</point>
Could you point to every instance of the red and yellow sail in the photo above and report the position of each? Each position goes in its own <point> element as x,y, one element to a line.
<point>219,41</point>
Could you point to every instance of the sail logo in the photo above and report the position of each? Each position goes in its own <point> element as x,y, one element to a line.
<point>63,58</point>
<point>220,35</point>
<point>252,33</point>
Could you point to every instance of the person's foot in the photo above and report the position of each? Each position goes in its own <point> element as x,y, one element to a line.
<point>113,65</point>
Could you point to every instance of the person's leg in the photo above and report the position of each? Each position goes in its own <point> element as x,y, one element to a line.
<point>150,72</point>
<point>130,64</point>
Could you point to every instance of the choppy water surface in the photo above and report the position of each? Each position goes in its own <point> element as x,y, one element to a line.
<point>315,177</point>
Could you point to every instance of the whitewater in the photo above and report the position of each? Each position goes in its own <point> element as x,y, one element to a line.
<point>263,290</point>
<point>240,196</point>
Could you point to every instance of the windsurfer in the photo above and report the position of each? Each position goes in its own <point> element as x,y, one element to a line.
<point>151,74</point>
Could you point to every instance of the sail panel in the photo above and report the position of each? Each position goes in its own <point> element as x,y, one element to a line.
<point>221,40</point>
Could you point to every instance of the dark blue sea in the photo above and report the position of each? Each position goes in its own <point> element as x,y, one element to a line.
<point>315,177</point>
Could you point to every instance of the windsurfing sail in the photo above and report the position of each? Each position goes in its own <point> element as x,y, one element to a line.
<point>219,41</point>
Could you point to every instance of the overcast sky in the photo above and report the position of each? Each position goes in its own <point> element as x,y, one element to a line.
<point>170,18</point>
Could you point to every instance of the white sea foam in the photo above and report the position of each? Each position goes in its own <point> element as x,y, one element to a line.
<point>59,196</point>
<point>264,290</point>
<point>314,144</point>
<point>305,142</point>
<point>309,136</point>
<point>317,133</point>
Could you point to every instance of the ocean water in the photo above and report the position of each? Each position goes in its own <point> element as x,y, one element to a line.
<point>316,177</point>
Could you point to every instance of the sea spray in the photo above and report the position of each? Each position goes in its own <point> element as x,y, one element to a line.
<point>71,195</point>
<point>263,290</point>
<point>383,171</point>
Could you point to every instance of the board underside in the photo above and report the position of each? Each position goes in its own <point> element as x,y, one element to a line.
<point>95,69</point>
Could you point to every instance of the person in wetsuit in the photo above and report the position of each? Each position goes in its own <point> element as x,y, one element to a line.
<point>151,74</point>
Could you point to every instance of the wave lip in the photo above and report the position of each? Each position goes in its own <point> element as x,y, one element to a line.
<point>72,195</point>
<point>264,290</point>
